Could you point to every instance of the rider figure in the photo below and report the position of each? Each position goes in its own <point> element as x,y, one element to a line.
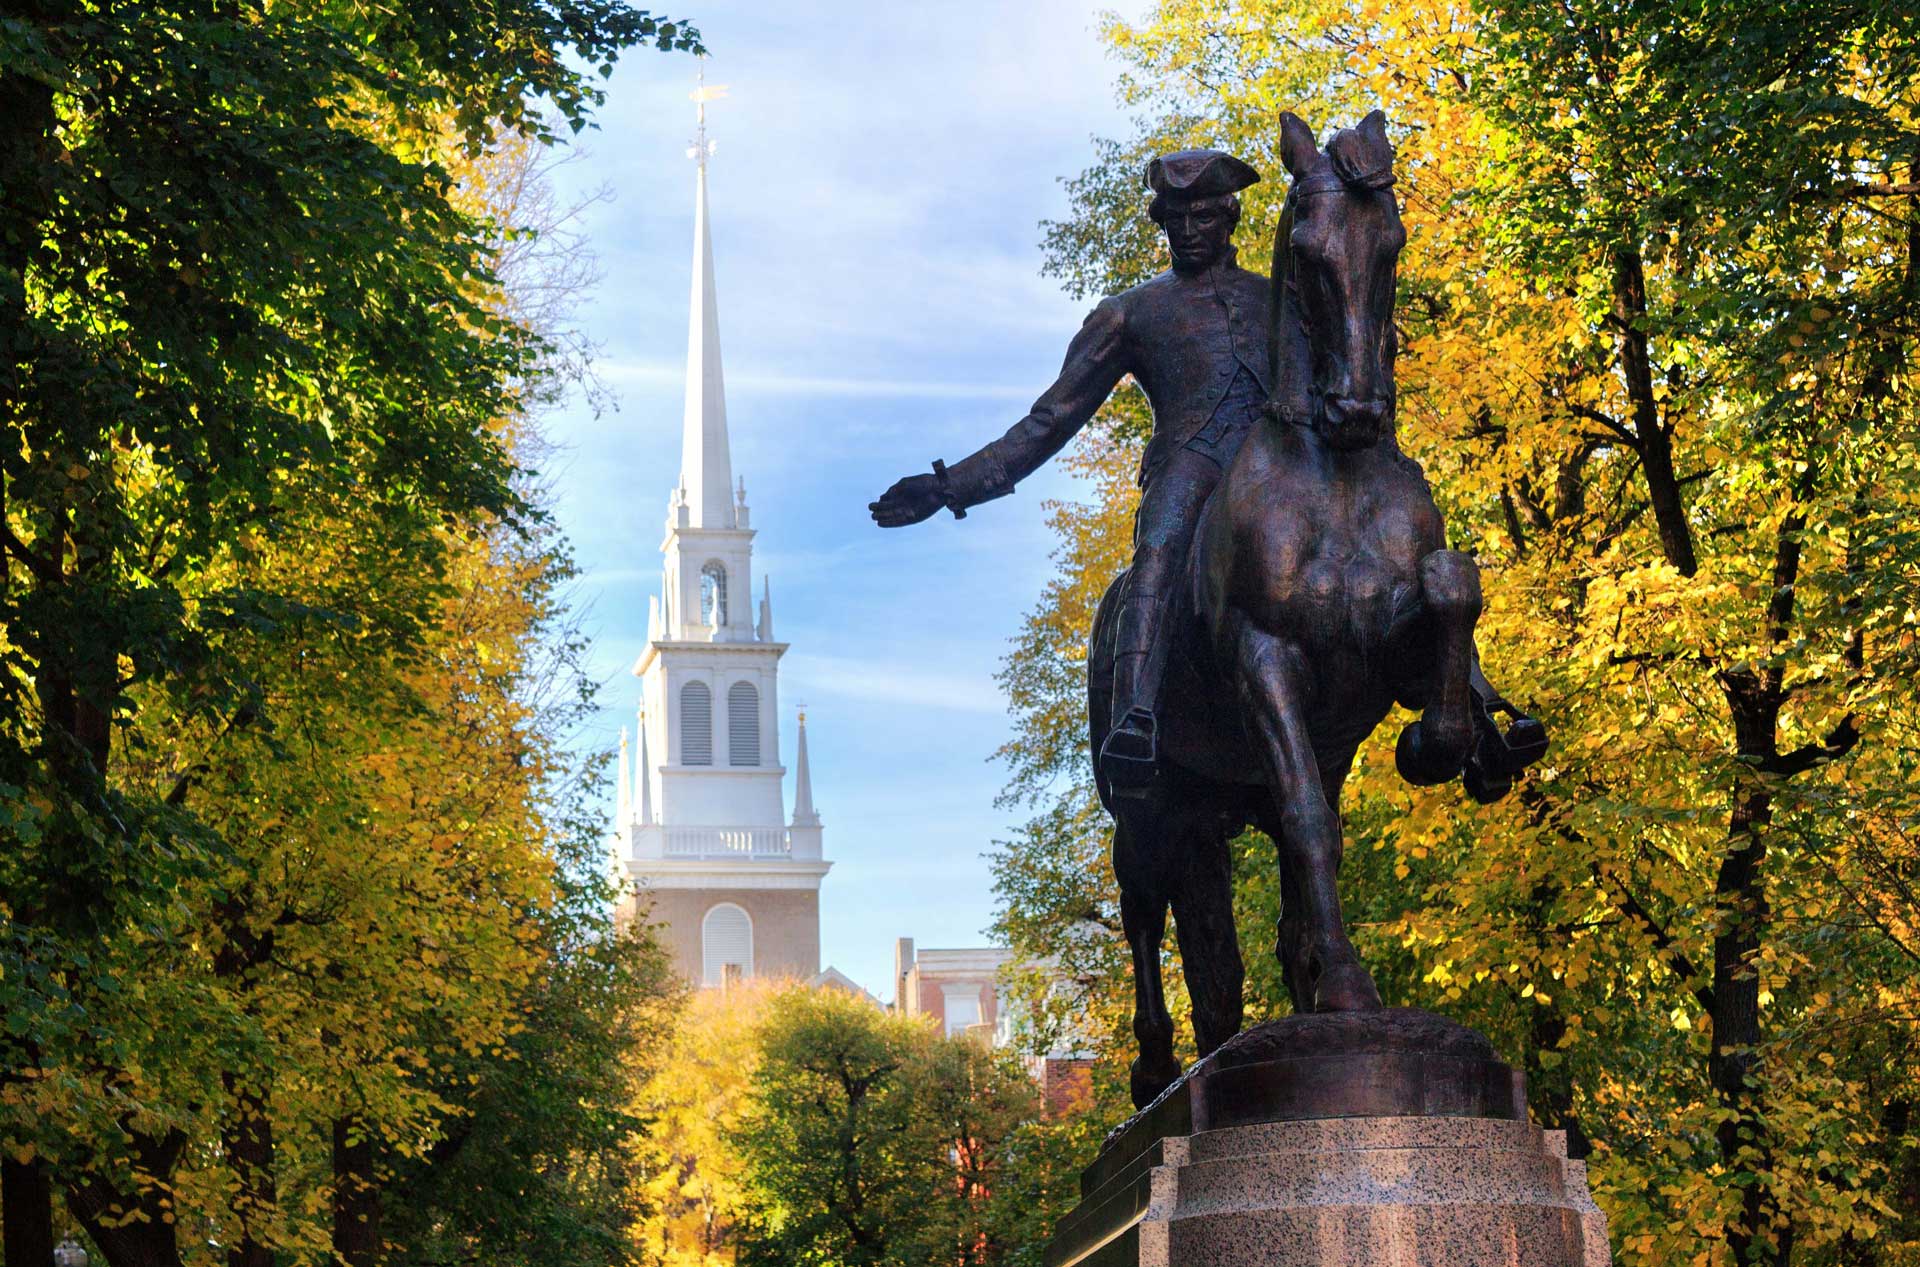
<point>1196,340</point>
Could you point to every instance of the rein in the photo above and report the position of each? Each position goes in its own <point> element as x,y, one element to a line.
<point>1279,405</point>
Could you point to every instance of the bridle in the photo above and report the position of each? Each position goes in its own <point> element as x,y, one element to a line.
<point>1327,181</point>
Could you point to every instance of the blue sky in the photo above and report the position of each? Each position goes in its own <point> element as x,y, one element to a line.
<point>881,173</point>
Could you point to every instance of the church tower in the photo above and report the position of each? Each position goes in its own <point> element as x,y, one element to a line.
<point>701,832</point>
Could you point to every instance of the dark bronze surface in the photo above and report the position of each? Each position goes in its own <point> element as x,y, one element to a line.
<point>1290,585</point>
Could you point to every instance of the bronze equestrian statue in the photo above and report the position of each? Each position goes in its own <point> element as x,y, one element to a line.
<point>1290,584</point>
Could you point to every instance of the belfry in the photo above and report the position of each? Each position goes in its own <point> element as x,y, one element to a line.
<point>701,832</point>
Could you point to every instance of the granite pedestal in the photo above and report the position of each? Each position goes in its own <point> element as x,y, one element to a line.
<point>1393,1139</point>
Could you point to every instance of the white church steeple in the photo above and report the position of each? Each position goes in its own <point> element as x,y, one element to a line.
<point>701,826</point>
<point>706,465</point>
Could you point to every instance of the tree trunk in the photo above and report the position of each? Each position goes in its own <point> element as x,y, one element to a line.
<point>26,1212</point>
<point>147,1239</point>
<point>1740,892</point>
<point>1754,698</point>
<point>356,1195</point>
<point>26,103</point>
<point>1654,441</point>
<point>248,1140</point>
<point>1546,1028</point>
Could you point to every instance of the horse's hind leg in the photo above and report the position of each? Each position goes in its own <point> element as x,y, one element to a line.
<point>1433,748</point>
<point>1272,678</point>
<point>1209,943</point>
<point>1143,917</point>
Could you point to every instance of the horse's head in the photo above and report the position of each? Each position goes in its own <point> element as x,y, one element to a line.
<point>1341,237</point>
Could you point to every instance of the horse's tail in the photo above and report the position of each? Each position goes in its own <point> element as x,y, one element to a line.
<point>1100,676</point>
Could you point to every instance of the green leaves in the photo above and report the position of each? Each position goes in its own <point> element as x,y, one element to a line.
<point>258,507</point>
<point>870,1140</point>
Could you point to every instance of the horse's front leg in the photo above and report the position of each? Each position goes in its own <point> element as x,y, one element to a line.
<point>1434,747</point>
<point>1272,677</point>
<point>1203,917</point>
<point>1143,917</point>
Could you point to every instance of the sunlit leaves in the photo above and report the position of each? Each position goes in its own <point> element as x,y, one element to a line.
<point>1726,148</point>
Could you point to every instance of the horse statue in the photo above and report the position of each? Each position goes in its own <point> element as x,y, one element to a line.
<point>1318,593</point>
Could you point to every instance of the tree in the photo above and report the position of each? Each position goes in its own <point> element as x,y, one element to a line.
<point>1657,313</point>
<point>242,304</point>
<point>871,1139</point>
<point>688,1165</point>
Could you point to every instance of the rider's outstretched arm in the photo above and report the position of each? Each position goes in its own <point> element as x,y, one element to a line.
<point>1096,360</point>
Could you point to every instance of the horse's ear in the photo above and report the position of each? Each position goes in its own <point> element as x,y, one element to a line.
<point>1298,150</point>
<point>1374,127</point>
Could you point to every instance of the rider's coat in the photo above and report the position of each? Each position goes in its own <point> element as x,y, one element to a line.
<point>1183,337</point>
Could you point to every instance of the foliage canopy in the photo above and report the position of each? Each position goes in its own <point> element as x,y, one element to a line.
<point>1658,312</point>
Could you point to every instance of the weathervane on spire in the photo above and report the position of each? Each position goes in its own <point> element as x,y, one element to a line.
<point>700,148</point>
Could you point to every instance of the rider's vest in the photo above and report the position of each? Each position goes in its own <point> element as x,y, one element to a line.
<point>1190,348</point>
<point>1182,337</point>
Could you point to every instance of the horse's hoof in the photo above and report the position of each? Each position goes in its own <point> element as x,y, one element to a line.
<point>1346,987</point>
<point>1524,743</point>
<point>1147,1081</point>
<point>1424,762</point>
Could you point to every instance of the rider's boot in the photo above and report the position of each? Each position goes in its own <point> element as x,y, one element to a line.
<point>1131,753</point>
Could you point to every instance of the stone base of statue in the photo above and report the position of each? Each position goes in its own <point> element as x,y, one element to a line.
<point>1384,1139</point>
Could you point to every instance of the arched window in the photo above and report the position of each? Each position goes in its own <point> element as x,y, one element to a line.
<point>743,724</point>
<point>713,594</point>
<point>696,724</point>
<point>726,945</point>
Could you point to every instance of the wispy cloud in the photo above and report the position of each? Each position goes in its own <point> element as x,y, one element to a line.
<point>674,373</point>
<point>920,687</point>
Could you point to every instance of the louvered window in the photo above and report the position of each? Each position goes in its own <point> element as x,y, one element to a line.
<point>743,724</point>
<point>696,724</point>
<point>726,945</point>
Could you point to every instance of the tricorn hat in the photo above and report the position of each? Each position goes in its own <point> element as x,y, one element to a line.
<point>1199,174</point>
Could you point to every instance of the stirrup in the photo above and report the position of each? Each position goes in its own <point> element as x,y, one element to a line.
<point>1499,756</point>
<point>1131,752</point>
<point>1503,754</point>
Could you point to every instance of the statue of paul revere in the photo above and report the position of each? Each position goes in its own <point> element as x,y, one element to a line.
<point>1198,339</point>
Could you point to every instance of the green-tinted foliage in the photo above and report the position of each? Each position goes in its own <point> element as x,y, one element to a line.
<point>284,893</point>
<point>871,1141</point>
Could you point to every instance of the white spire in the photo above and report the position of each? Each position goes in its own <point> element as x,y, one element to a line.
<point>624,811</point>
<point>765,627</point>
<point>644,774</point>
<point>706,468</point>
<point>804,815</point>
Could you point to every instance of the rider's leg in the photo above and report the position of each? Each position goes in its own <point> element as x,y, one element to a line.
<point>1163,530</point>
